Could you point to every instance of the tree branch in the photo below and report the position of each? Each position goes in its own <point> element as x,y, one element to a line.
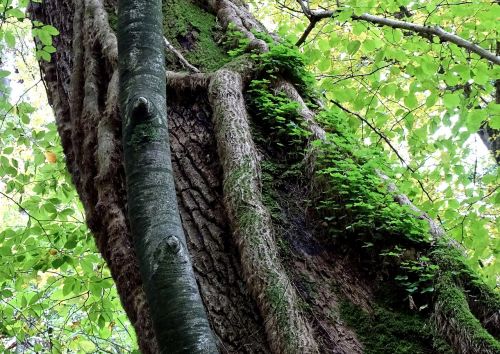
<point>179,56</point>
<point>315,16</point>
<point>308,30</point>
<point>428,31</point>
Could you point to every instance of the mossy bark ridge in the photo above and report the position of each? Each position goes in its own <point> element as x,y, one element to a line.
<point>178,314</point>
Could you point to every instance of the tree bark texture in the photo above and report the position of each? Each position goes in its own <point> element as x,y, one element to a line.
<point>269,280</point>
<point>179,317</point>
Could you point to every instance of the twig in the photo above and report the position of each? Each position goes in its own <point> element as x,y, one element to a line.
<point>376,131</point>
<point>308,30</point>
<point>179,56</point>
<point>388,142</point>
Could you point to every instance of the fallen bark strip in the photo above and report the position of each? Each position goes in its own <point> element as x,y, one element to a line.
<point>179,56</point>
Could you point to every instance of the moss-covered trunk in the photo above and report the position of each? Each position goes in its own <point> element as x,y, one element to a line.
<point>275,273</point>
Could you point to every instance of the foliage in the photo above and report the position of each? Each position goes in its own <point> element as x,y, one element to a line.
<point>286,61</point>
<point>278,113</point>
<point>427,99</point>
<point>353,201</point>
<point>56,294</point>
<point>360,195</point>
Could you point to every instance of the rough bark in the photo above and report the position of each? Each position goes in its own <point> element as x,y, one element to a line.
<point>269,278</point>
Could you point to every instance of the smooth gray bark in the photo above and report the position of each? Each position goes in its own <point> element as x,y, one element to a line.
<point>178,314</point>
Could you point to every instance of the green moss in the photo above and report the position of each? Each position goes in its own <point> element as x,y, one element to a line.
<point>194,31</point>
<point>462,295</point>
<point>453,311</point>
<point>112,16</point>
<point>276,295</point>
<point>389,330</point>
<point>145,133</point>
<point>451,261</point>
<point>270,178</point>
<point>237,180</point>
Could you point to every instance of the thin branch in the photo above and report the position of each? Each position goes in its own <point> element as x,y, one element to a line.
<point>179,56</point>
<point>24,210</point>
<point>308,30</point>
<point>314,17</point>
<point>352,76</point>
<point>422,30</point>
<point>389,143</point>
<point>428,31</point>
<point>376,131</point>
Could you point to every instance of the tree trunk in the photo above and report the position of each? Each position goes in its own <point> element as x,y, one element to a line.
<point>179,318</point>
<point>270,278</point>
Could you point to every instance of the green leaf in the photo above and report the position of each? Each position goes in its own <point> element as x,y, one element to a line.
<point>35,298</point>
<point>353,47</point>
<point>451,100</point>
<point>44,55</point>
<point>474,120</point>
<point>431,100</point>
<point>10,39</point>
<point>324,64</point>
<point>495,122</point>
<point>49,49</point>
<point>50,30</point>
<point>345,14</point>
<point>50,208</point>
<point>411,101</point>
<point>15,12</point>
<point>57,263</point>
<point>44,37</point>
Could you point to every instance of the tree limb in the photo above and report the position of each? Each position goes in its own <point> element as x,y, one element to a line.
<point>315,16</point>
<point>179,56</point>
<point>429,31</point>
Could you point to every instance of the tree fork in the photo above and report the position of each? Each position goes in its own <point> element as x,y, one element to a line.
<point>178,315</point>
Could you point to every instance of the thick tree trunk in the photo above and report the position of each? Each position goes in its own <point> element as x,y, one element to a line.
<point>269,279</point>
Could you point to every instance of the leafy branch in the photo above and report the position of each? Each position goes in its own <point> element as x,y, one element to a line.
<point>387,141</point>
<point>428,32</point>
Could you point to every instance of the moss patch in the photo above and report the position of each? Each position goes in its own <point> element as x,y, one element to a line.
<point>392,331</point>
<point>112,16</point>
<point>145,133</point>
<point>194,31</point>
<point>452,310</point>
